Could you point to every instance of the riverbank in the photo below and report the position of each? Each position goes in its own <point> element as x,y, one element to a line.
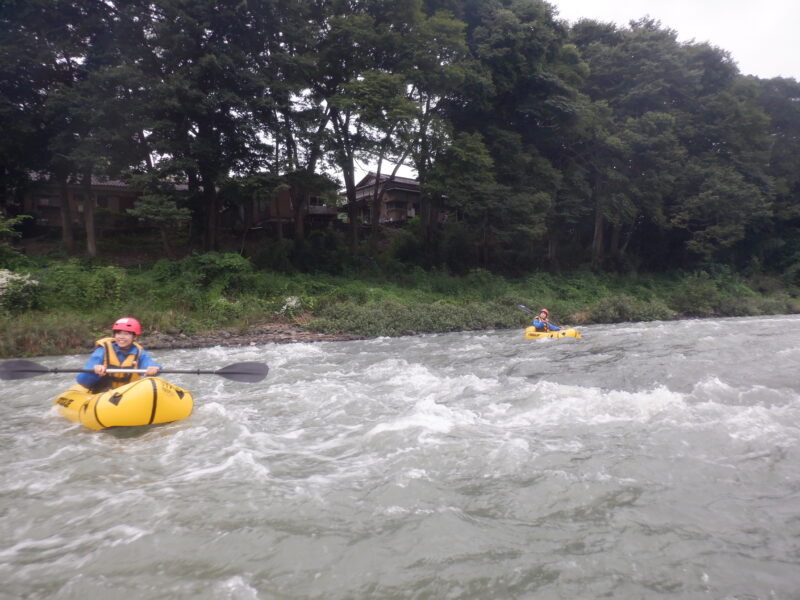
<point>284,331</point>
<point>265,333</point>
<point>222,300</point>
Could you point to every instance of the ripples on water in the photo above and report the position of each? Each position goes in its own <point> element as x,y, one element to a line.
<point>653,460</point>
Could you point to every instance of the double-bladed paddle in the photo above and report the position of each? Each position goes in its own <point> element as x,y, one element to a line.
<point>246,372</point>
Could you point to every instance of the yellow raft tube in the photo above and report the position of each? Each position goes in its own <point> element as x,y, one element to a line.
<point>142,402</point>
<point>532,334</point>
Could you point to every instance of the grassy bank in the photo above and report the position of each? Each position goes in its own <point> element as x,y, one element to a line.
<point>61,307</point>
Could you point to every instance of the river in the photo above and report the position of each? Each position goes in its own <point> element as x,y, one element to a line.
<point>646,460</point>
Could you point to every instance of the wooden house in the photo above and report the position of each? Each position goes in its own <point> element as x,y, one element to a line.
<point>400,198</point>
<point>112,198</point>
<point>277,212</point>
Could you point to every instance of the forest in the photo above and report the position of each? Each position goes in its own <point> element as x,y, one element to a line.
<point>538,145</point>
<point>610,173</point>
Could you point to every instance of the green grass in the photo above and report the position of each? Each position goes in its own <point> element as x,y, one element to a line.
<point>75,301</point>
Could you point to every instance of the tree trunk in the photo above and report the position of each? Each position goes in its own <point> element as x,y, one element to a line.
<point>66,216</point>
<point>552,249</point>
<point>211,203</point>
<point>614,243</point>
<point>299,204</point>
<point>88,215</point>
<point>344,159</point>
<point>211,207</point>
<point>597,240</point>
<point>429,219</point>
<point>375,214</point>
<point>375,209</point>
<point>165,243</point>
<point>352,209</point>
<point>485,246</point>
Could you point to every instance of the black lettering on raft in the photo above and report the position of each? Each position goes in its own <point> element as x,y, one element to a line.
<point>64,401</point>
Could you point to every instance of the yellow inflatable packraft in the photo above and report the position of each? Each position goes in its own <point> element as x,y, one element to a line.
<point>143,402</point>
<point>532,334</point>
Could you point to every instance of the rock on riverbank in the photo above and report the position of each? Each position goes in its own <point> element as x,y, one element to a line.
<point>270,333</point>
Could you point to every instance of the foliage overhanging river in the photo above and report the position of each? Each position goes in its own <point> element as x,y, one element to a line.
<point>653,460</point>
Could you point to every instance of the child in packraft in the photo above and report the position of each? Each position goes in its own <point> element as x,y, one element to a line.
<point>542,322</point>
<point>119,351</point>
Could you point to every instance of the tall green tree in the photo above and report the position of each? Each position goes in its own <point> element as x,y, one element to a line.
<point>674,107</point>
<point>43,72</point>
<point>529,108</point>
<point>199,60</point>
<point>779,245</point>
<point>25,74</point>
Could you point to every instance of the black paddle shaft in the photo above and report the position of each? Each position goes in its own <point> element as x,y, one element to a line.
<point>247,372</point>
<point>524,308</point>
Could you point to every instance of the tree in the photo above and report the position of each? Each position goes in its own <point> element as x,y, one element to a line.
<point>8,232</point>
<point>686,128</point>
<point>160,206</point>
<point>779,244</point>
<point>496,215</point>
<point>199,59</point>
<point>717,216</point>
<point>44,53</point>
<point>528,107</point>
<point>24,76</point>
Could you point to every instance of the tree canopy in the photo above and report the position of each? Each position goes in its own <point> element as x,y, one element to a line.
<point>537,144</point>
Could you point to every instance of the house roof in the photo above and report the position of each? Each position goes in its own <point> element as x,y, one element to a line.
<point>403,182</point>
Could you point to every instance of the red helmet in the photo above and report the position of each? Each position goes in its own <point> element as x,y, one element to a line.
<point>545,311</point>
<point>127,324</point>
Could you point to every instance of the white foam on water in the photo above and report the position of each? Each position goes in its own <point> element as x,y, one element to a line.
<point>243,464</point>
<point>212,409</point>
<point>56,547</point>
<point>427,415</point>
<point>713,389</point>
<point>365,451</point>
<point>752,413</point>
<point>237,587</point>
<point>557,404</point>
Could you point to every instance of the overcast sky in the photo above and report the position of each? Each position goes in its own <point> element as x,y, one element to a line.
<point>762,36</point>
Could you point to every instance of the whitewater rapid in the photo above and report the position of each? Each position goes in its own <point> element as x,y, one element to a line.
<point>646,460</point>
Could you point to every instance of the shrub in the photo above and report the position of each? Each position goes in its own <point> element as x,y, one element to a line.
<point>73,285</point>
<point>457,248</point>
<point>18,292</point>
<point>390,317</point>
<point>740,306</point>
<point>38,334</point>
<point>619,308</point>
<point>613,309</point>
<point>484,285</point>
<point>105,284</point>
<point>291,306</point>
<point>655,310</point>
<point>274,256</point>
<point>697,295</point>
<point>8,231</point>
<point>216,266</point>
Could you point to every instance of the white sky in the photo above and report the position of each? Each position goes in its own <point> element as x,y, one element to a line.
<point>762,36</point>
